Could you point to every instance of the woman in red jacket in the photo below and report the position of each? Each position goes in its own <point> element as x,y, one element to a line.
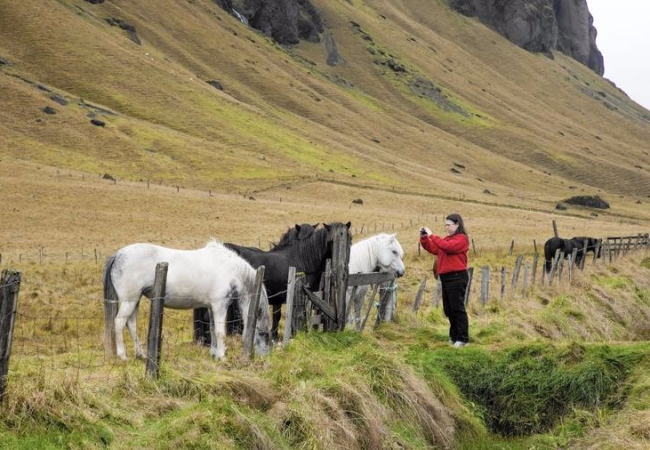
<point>452,270</point>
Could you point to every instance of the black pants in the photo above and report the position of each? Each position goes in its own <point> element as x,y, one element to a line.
<point>454,286</point>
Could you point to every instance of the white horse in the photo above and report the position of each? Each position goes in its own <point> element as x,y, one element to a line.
<point>379,253</point>
<point>210,277</point>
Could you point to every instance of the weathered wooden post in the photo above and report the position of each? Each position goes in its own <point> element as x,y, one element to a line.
<point>386,302</point>
<point>512,247</point>
<point>154,337</point>
<point>503,283</point>
<point>340,263</point>
<point>419,295</point>
<point>554,265</point>
<point>584,254</point>
<point>561,267</point>
<point>9,288</point>
<point>437,293</point>
<point>597,251</point>
<point>570,263</point>
<point>289,330</point>
<point>326,281</point>
<point>525,282</point>
<point>349,305</point>
<point>515,273</point>
<point>485,285</point>
<point>371,302</point>
<point>470,273</point>
<point>555,229</point>
<point>534,269</point>
<point>251,323</point>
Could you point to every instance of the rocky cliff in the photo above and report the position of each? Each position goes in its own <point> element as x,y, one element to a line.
<point>535,25</point>
<point>541,26</point>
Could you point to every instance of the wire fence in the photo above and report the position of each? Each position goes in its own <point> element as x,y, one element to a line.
<point>58,328</point>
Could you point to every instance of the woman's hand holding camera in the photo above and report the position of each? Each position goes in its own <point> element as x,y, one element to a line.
<point>424,231</point>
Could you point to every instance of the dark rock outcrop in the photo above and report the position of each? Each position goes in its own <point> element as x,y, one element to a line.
<point>130,29</point>
<point>590,201</point>
<point>286,21</point>
<point>541,26</point>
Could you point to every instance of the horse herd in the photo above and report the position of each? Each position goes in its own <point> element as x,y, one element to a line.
<point>223,274</point>
<point>221,278</point>
<point>581,244</point>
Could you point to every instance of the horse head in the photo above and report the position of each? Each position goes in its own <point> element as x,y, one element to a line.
<point>390,254</point>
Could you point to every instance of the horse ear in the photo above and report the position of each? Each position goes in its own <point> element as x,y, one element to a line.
<point>297,227</point>
<point>347,225</point>
<point>315,225</point>
<point>327,226</point>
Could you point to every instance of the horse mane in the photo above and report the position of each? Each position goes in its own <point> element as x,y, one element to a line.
<point>295,234</point>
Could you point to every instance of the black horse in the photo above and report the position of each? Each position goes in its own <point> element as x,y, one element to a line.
<point>566,246</point>
<point>303,247</point>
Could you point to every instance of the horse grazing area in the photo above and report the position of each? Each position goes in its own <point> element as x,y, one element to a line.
<point>557,362</point>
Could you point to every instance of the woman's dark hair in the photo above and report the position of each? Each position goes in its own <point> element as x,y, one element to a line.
<point>457,219</point>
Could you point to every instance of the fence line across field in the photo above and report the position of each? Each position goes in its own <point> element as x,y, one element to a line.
<point>311,310</point>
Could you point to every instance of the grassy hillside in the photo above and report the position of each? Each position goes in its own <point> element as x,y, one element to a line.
<point>428,113</point>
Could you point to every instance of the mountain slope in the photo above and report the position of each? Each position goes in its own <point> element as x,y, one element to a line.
<point>420,90</point>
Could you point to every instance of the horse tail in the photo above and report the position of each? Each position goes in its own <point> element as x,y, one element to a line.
<point>110,307</point>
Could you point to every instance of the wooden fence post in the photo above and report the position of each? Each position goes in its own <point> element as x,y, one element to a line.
<point>525,282</point>
<point>554,264</point>
<point>560,267</point>
<point>470,273</point>
<point>503,282</point>
<point>584,255</point>
<point>386,302</point>
<point>253,305</point>
<point>418,297</point>
<point>571,262</point>
<point>340,261</point>
<point>9,288</point>
<point>154,337</point>
<point>512,247</point>
<point>371,302</point>
<point>437,293</point>
<point>289,309</point>
<point>515,273</point>
<point>555,229</point>
<point>327,323</point>
<point>485,285</point>
<point>534,269</point>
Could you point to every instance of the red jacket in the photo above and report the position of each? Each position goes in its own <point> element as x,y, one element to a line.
<point>451,250</point>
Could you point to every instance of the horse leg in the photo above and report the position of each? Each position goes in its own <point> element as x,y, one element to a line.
<point>358,305</point>
<point>125,311</point>
<point>132,323</point>
<point>277,314</point>
<point>218,312</point>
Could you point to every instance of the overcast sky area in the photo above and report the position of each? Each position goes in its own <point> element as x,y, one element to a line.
<point>624,40</point>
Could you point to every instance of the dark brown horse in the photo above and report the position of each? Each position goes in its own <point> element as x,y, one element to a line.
<point>566,246</point>
<point>303,247</point>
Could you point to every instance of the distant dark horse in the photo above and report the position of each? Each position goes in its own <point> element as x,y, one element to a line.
<point>566,246</point>
<point>302,247</point>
